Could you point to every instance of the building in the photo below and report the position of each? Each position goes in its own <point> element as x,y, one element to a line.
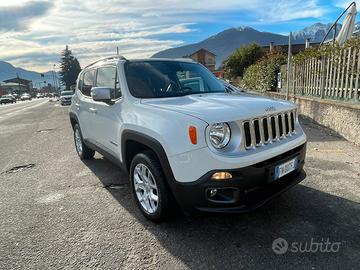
<point>295,48</point>
<point>9,88</point>
<point>204,57</point>
<point>3,91</point>
<point>17,85</point>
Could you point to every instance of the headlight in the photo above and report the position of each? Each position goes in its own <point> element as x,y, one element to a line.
<point>220,135</point>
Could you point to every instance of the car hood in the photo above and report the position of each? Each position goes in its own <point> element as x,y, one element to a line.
<point>221,107</point>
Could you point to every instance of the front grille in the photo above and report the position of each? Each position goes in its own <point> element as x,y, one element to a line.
<point>260,131</point>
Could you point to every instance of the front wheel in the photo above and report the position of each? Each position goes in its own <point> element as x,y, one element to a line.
<point>149,186</point>
<point>83,151</point>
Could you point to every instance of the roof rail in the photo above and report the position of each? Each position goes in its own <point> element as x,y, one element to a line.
<point>119,57</point>
<point>185,59</point>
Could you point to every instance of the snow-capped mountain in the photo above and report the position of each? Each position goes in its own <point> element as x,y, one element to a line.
<point>226,42</point>
<point>315,32</point>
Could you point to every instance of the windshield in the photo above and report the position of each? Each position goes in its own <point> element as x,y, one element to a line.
<point>154,79</point>
<point>67,93</point>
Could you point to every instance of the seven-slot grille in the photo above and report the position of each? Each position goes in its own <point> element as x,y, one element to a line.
<point>262,130</point>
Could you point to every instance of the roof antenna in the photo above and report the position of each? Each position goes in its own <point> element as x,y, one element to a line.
<point>117,50</point>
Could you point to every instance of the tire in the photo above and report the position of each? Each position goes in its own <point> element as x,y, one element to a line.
<point>159,210</point>
<point>82,150</point>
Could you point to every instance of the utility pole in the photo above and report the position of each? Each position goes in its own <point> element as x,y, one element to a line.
<point>288,68</point>
<point>53,75</point>
<point>17,75</point>
<point>57,85</point>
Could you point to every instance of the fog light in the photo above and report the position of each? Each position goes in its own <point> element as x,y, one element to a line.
<point>221,176</point>
<point>213,192</point>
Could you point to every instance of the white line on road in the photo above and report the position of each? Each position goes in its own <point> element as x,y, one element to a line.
<point>16,111</point>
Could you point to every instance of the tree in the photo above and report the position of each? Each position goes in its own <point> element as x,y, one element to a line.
<point>262,75</point>
<point>242,58</point>
<point>70,68</point>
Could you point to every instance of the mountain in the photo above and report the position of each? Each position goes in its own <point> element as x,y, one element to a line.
<point>315,32</point>
<point>226,42</point>
<point>8,71</point>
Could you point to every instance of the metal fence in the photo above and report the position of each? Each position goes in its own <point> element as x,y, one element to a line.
<point>335,77</point>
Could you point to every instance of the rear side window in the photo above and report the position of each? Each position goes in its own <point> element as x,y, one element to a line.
<point>87,82</point>
<point>107,77</point>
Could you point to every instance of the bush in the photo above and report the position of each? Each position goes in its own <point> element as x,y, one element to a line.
<point>262,75</point>
<point>242,58</point>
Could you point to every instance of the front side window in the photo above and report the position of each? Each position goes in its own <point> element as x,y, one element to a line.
<point>107,77</point>
<point>88,82</point>
<point>155,79</point>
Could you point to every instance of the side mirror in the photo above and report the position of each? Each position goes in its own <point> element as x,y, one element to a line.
<point>101,94</point>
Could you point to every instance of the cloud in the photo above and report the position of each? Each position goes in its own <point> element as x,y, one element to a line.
<point>37,31</point>
<point>16,17</point>
<point>344,4</point>
<point>290,10</point>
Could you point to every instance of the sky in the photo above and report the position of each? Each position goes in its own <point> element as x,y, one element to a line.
<point>34,32</point>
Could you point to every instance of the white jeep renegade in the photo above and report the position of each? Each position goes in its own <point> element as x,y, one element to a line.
<point>186,137</point>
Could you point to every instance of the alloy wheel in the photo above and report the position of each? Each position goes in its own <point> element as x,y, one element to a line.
<point>78,142</point>
<point>145,188</point>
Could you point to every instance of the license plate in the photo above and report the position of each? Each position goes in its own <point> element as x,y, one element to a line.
<point>285,168</point>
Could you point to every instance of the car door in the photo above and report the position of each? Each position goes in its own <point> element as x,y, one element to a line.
<point>108,115</point>
<point>83,104</point>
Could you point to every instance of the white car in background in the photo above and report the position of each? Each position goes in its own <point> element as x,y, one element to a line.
<point>25,96</point>
<point>65,97</point>
<point>186,137</point>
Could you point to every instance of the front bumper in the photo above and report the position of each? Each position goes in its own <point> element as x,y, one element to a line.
<point>65,102</point>
<point>249,188</point>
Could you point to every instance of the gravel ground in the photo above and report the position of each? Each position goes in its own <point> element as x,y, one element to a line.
<point>60,212</point>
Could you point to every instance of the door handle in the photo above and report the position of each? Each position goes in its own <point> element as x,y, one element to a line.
<point>93,110</point>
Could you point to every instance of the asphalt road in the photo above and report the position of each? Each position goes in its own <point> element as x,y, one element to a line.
<point>59,212</point>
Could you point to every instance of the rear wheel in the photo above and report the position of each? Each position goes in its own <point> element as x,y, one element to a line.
<point>149,186</point>
<point>83,151</point>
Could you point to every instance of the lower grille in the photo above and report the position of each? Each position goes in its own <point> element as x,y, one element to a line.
<point>260,131</point>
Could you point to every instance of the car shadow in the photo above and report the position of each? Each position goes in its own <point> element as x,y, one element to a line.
<point>301,215</point>
<point>318,133</point>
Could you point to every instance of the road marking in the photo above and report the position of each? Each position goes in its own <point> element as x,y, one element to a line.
<point>22,109</point>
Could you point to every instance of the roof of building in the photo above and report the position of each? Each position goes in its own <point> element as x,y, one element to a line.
<point>18,80</point>
<point>9,84</point>
<point>295,48</point>
<point>202,49</point>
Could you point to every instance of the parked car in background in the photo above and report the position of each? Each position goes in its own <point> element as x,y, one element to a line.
<point>65,97</point>
<point>7,99</point>
<point>25,96</point>
<point>40,95</point>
